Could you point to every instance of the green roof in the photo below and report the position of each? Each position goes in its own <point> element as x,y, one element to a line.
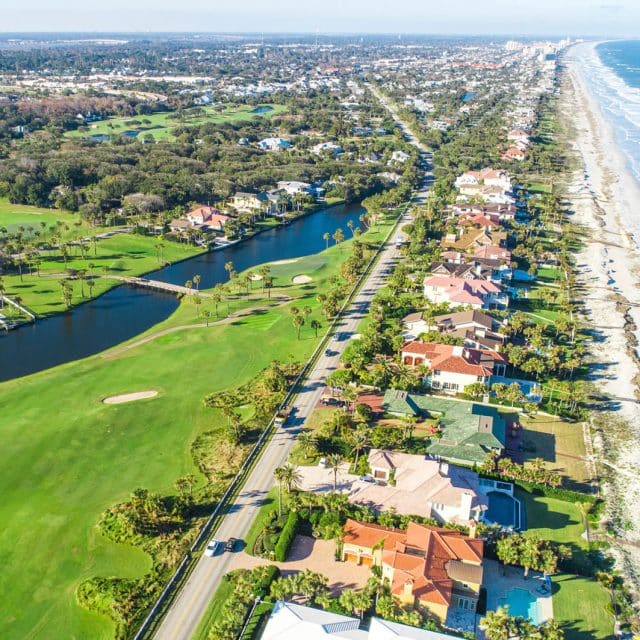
<point>469,430</point>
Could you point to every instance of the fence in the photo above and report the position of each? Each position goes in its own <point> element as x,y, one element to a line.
<point>165,597</point>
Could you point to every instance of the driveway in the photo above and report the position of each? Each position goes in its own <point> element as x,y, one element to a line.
<point>316,555</point>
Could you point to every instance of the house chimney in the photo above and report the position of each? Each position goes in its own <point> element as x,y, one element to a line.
<point>408,587</point>
<point>465,505</point>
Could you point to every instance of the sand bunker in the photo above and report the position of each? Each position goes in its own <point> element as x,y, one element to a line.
<point>285,261</point>
<point>130,397</point>
<point>301,279</point>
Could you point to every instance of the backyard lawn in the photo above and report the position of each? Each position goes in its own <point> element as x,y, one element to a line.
<point>559,443</point>
<point>552,519</point>
<point>581,606</point>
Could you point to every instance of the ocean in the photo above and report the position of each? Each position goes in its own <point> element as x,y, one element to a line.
<point>613,74</point>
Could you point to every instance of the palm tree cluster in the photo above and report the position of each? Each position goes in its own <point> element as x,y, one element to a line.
<point>531,552</point>
<point>532,471</point>
<point>499,625</point>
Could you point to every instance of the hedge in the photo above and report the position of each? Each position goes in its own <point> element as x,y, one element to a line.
<point>287,537</point>
<point>263,585</point>
<point>543,490</point>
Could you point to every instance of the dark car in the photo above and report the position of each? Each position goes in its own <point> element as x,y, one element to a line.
<point>231,544</point>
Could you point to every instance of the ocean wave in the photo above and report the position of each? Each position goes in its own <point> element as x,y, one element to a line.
<point>619,102</point>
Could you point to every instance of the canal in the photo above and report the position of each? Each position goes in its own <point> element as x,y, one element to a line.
<point>124,312</point>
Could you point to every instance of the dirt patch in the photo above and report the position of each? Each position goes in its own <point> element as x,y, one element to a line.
<point>130,397</point>
<point>301,279</point>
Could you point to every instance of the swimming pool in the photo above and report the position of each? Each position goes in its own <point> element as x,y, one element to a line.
<point>503,509</point>
<point>522,603</point>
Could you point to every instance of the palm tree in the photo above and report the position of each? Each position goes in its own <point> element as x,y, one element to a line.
<point>497,624</point>
<point>334,461</point>
<point>351,226</point>
<point>216,297</point>
<point>326,237</point>
<point>298,322</point>
<point>360,441</point>
<point>228,267</point>
<point>196,281</point>
<point>288,477</point>
<point>307,442</point>
<point>338,236</point>
<point>315,325</point>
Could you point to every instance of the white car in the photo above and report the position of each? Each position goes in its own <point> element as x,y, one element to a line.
<point>213,547</point>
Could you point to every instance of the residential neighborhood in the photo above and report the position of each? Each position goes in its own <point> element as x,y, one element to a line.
<point>331,328</point>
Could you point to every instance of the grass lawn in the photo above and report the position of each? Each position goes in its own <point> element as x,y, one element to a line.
<point>270,503</point>
<point>161,125</point>
<point>66,456</point>
<point>580,605</point>
<point>560,444</point>
<point>313,424</point>
<point>552,519</point>
<point>120,255</point>
<point>14,216</point>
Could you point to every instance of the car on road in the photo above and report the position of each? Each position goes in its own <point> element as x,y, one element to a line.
<point>231,544</point>
<point>213,547</point>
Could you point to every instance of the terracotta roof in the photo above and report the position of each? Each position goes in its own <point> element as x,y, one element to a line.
<point>422,558</point>
<point>370,535</point>
<point>455,359</point>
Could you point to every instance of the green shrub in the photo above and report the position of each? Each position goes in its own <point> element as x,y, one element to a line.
<point>271,573</point>
<point>287,537</point>
<point>543,490</point>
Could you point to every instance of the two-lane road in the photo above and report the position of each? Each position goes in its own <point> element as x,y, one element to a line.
<point>190,605</point>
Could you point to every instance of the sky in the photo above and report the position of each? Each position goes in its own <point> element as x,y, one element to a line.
<point>519,17</point>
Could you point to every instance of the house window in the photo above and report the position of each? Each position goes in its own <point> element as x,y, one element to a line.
<point>436,373</point>
<point>450,385</point>
<point>480,378</point>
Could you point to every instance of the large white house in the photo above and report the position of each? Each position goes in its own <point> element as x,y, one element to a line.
<point>452,367</point>
<point>489,177</point>
<point>459,292</point>
<point>289,621</point>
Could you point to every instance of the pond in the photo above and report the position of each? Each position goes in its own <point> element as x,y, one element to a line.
<point>124,312</point>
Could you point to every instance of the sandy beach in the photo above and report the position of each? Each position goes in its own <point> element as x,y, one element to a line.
<point>604,197</point>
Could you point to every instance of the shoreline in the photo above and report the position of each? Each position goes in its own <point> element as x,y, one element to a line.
<point>601,193</point>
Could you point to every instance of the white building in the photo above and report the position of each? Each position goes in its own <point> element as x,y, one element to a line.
<point>290,621</point>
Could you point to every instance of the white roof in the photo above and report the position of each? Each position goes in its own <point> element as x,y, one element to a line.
<point>290,621</point>
<point>384,630</point>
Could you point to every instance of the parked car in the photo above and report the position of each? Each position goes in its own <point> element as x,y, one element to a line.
<point>231,544</point>
<point>213,547</point>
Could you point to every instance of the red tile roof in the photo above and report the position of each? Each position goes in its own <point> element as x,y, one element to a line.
<point>455,359</point>
<point>420,556</point>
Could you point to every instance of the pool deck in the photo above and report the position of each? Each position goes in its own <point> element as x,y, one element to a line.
<point>499,579</point>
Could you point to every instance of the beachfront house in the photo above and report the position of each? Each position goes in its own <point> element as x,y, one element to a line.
<point>406,484</point>
<point>458,292</point>
<point>426,567</point>
<point>452,368</point>
<point>469,430</point>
